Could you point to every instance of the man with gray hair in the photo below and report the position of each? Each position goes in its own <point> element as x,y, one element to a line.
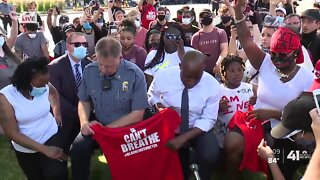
<point>118,92</point>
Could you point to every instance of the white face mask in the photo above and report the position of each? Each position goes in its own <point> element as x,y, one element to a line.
<point>32,13</point>
<point>167,17</point>
<point>1,41</point>
<point>99,24</point>
<point>186,21</point>
<point>32,36</point>
<point>138,23</point>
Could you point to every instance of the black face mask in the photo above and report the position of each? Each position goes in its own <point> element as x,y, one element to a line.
<point>207,20</point>
<point>225,19</point>
<point>161,17</point>
<point>154,45</point>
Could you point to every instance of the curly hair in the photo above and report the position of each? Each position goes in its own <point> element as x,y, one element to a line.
<point>26,71</point>
<point>226,63</point>
<point>128,25</point>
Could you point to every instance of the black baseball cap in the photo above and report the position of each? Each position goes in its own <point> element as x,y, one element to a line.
<point>63,19</point>
<point>68,27</point>
<point>313,14</point>
<point>295,116</point>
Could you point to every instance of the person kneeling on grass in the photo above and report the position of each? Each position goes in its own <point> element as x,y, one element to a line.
<point>27,121</point>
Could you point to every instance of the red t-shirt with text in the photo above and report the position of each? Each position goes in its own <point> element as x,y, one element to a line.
<point>148,14</point>
<point>139,151</point>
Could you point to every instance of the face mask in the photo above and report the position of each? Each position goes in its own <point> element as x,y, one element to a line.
<point>99,24</point>
<point>79,52</point>
<point>1,41</point>
<point>38,91</point>
<point>186,21</point>
<point>168,17</point>
<point>225,19</point>
<point>32,13</point>
<point>32,36</point>
<point>161,17</point>
<point>154,45</point>
<point>264,49</point>
<point>280,19</point>
<point>179,17</point>
<point>207,20</point>
<point>137,23</point>
<point>86,26</point>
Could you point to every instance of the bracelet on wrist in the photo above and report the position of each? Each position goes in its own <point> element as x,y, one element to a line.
<point>241,20</point>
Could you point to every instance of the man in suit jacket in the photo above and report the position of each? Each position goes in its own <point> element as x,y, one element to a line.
<point>66,76</point>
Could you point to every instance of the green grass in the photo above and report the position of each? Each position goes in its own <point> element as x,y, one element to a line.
<point>10,170</point>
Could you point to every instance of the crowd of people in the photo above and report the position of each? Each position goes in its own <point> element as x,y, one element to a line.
<point>243,87</point>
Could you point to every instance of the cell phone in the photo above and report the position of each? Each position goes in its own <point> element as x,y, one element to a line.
<point>57,9</point>
<point>113,29</point>
<point>316,97</point>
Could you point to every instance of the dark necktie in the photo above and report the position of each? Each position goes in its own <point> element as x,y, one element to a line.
<point>184,111</point>
<point>78,75</point>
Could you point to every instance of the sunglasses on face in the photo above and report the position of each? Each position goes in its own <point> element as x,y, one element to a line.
<point>282,55</point>
<point>172,36</point>
<point>78,44</point>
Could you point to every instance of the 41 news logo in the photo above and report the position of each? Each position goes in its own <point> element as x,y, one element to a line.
<point>296,155</point>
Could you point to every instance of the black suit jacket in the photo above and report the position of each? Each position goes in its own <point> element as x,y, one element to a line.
<point>62,78</point>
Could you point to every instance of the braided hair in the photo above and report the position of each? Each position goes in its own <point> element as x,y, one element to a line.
<point>226,63</point>
<point>159,57</point>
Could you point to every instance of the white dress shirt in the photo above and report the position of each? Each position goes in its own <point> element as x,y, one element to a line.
<point>204,98</point>
<point>73,67</point>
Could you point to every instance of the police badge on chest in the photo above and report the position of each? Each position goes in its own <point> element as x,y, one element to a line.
<point>125,86</point>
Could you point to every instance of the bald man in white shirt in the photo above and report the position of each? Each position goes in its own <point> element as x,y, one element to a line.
<point>170,88</point>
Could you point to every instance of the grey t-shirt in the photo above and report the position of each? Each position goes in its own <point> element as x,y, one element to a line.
<point>5,8</point>
<point>128,91</point>
<point>30,48</point>
<point>7,68</point>
<point>60,49</point>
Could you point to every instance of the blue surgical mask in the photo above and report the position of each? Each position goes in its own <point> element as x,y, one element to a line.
<point>280,19</point>
<point>79,52</point>
<point>87,26</point>
<point>38,91</point>
<point>1,41</point>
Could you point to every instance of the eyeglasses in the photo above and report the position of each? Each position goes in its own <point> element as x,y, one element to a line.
<point>78,44</point>
<point>172,36</point>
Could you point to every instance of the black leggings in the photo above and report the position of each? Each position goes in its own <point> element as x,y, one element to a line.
<point>37,166</point>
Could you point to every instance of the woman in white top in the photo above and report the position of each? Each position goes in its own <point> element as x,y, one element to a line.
<point>280,79</point>
<point>170,51</point>
<point>27,121</point>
